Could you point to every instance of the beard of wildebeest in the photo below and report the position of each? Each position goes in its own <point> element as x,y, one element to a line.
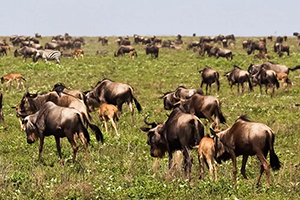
<point>158,146</point>
<point>31,131</point>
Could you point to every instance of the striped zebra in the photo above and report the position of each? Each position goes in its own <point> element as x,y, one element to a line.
<point>47,55</point>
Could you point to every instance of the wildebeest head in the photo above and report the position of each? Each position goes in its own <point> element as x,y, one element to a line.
<point>31,129</point>
<point>156,140</point>
<point>169,100</point>
<point>36,56</point>
<point>253,69</point>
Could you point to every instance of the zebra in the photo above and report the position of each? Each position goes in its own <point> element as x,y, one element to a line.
<point>47,55</point>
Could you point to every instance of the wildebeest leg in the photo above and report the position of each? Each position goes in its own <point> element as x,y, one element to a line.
<point>233,158</point>
<point>105,123</point>
<point>216,171</point>
<point>242,88</point>
<point>187,162</point>
<point>201,165</point>
<point>265,166</point>
<point>206,88</point>
<point>201,84</point>
<point>132,112</point>
<point>238,88</point>
<point>58,147</point>
<point>243,169</point>
<point>114,125</point>
<point>74,146</point>
<point>85,146</point>
<point>260,89</point>
<point>2,119</point>
<point>41,148</point>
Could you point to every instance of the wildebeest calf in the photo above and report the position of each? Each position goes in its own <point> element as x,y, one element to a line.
<point>109,112</point>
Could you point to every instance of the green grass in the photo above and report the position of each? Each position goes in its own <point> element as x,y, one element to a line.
<point>122,167</point>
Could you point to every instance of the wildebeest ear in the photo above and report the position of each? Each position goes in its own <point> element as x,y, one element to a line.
<point>145,129</point>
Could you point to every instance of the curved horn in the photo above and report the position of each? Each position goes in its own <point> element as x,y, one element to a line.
<point>152,124</point>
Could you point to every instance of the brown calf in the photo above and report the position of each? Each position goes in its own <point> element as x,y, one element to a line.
<point>109,112</point>
<point>206,150</point>
<point>8,78</point>
<point>284,77</point>
<point>78,52</point>
<point>131,53</point>
<point>262,55</point>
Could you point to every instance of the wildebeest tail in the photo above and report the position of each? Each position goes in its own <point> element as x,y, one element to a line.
<point>293,69</point>
<point>219,113</point>
<point>95,129</point>
<point>198,130</point>
<point>138,105</point>
<point>85,132</point>
<point>274,160</point>
<point>217,80</point>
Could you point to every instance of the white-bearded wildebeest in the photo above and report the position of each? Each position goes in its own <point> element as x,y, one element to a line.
<point>258,45</point>
<point>181,131</point>
<point>280,48</point>
<point>107,91</point>
<point>31,103</point>
<point>27,52</point>
<point>124,49</point>
<point>247,138</point>
<point>59,122</point>
<point>239,76</point>
<point>209,76</point>
<point>193,44</point>
<point>152,49</point>
<point>219,52</point>
<point>267,78</point>
<point>252,69</point>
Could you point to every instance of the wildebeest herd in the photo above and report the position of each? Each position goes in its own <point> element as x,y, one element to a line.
<point>183,129</point>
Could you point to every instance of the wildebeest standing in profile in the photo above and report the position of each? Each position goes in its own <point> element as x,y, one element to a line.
<point>107,91</point>
<point>153,50</point>
<point>258,45</point>
<point>247,138</point>
<point>59,122</point>
<point>209,76</point>
<point>109,112</point>
<point>27,52</point>
<point>181,131</point>
<point>9,78</point>
<point>124,49</point>
<point>219,52</point>
<point>239,77</point>
<point>267,78</point>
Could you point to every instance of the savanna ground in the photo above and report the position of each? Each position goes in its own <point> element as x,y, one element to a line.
<point>122,167</point>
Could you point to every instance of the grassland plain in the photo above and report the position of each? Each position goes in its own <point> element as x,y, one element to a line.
<point>122,167</point>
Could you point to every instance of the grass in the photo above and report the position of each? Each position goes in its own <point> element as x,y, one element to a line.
<point>122,167</point>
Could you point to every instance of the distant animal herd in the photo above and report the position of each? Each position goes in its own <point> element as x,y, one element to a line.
<point>65,112</point>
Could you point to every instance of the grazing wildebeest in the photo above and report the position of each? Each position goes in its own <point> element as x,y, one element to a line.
<point>181,131</point>
<point>279,39</point>
<point>209,76</point>
<point>1,112</point>
<point>219,52</point>
<point>9,78</point>
<point>27,52</point>
<point>59,122</point>
<point>31,103</point>
<point>280,48</point>
<point>206,155</point>
<point>230,37</point>
<point>109,112</point>
<point>60,87</point>
<point>247,138</point>
<point>270,37</point>
<point>107,91</point>
<point>103,40</point>
<point>65,44</point>
<point>268,65</point>
<point>267,78</point>
<point>193,44</point>
<point>124,49</point>
<point>203,106</point>
<point>239,76</point>
<point>3,50</point>
<point>52,45</point>
<point>246,43</point>
<point>47,54</point>
<point>258,45</point>
<point>36,46</point>
<point>153,50</point>
<point>207,39</point>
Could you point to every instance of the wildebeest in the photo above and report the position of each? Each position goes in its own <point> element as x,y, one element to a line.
<point>267,78</point>
<point>37,35</point>
<point>203,106</point>
<point>284,79</point>
<point>31,103</point>
<point>107,91</point>
<point>205,47</point>
<point>206,155</point>
<point>280,48</point>
<point>109,112</point>
<point>193,44</point>
<point>59,122</point>
<point>3,50</point>
<point>258,45</point>
<point>230,37</point>
<point>219,52</point>
<point>52,45</point>
<point>268,65</point>
<point>103,40</point>
<point>239,76</point>
<point>209,76</point>
<point>60,87</point>
<point>9,78</point>
<point>246,43</point>
<point>124,49</point>
<point>101,52</point>
<point>225,43</point>
<point>27,52</point>
<point>262,55</point>
<point>247,138</point>
<point>181,131</point>
<point>153,50</point>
